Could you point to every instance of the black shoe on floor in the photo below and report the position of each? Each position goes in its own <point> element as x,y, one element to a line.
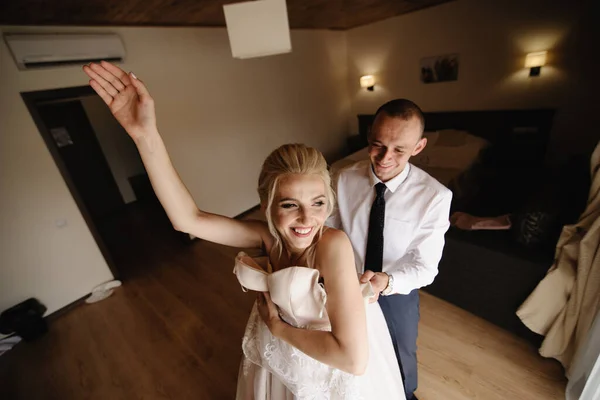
<point>414,397</point>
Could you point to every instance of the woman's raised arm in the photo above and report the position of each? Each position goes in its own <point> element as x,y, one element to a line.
<point>133,107</point>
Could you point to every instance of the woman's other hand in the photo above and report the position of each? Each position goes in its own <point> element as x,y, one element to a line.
<point>268,312</point>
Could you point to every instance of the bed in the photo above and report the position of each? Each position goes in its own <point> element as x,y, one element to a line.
<point>471,151</point>
<point>492,161</point>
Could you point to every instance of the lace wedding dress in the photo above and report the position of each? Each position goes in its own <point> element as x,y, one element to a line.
<point>272,369</point>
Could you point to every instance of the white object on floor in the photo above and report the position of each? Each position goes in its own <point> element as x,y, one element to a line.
<point>102,291</point>
<point>8,343</point>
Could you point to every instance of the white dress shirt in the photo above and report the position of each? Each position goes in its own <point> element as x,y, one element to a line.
<point>416,219</point>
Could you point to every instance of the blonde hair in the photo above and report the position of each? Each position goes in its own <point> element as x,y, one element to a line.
<point>291,159</point>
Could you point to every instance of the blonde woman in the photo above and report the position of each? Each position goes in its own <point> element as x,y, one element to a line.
<point>310,334</point>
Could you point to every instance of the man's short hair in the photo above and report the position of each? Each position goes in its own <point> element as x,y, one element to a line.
<point>402,108</point>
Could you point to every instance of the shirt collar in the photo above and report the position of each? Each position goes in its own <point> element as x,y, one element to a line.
<point>393,183</point>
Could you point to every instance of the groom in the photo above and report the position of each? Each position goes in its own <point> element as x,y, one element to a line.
<point>396,216</point>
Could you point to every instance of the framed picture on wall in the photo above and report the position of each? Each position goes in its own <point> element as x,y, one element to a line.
<point>442,68</point>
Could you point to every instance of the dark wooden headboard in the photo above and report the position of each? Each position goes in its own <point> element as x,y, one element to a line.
<point>525,133</point>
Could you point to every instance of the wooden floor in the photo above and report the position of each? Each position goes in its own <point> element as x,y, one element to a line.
<point>173,331</point>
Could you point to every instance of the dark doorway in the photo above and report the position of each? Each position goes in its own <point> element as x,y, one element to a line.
<point>78,147</point>
<point>60,135</point>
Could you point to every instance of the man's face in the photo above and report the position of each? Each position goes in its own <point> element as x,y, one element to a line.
<point>393,140</point>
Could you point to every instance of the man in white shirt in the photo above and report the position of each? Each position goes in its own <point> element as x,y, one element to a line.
<point>396,216</point>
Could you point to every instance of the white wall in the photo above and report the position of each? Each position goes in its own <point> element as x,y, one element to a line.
<point>492,38</point>
<point>220,117</point>
<point>120,152</point>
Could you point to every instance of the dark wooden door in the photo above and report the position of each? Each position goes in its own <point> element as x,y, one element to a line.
<point>82,155</point>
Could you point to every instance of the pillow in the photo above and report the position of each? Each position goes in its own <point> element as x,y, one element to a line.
<point>450,148</point>
<point>452,138</point>
<point>432,137</point>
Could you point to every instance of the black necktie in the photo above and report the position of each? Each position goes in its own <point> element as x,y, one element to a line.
<point>374,257</point>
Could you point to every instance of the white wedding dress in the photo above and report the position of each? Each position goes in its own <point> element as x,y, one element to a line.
<point>272,369</point>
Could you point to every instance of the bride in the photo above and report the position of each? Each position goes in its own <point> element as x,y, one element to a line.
<point>311,333</point>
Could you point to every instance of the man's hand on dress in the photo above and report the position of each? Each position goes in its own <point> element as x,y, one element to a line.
<point>379,281</point>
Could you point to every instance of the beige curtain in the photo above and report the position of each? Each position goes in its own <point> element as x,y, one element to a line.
<point>563,306</point>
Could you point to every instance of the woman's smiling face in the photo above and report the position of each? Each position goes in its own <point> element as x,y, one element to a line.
<point>299,210</point>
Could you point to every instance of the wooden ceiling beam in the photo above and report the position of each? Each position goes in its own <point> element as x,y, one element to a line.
<point>302,14</point>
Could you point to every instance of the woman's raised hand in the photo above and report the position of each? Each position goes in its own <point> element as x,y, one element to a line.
<point>126,96</point>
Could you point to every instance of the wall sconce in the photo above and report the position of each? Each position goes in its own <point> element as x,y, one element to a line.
<point>367,82</point>
<point>535,61</point>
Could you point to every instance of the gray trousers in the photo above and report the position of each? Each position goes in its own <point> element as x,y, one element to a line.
<point>402,316</point>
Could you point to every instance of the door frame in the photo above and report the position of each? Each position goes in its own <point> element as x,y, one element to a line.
<point>31,100</point>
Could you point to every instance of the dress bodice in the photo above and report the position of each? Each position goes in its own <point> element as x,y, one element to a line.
<point>296,291</point>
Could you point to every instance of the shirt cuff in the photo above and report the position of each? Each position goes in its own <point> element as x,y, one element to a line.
<point>405,283</point>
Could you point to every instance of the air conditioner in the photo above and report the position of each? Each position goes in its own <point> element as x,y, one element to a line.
<point>44,50</point>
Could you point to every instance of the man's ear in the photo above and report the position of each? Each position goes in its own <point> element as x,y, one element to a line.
<point>420,146</point>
